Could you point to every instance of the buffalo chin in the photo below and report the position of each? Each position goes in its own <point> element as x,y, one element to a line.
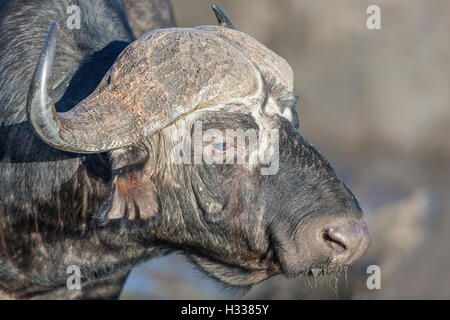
<point>232,276</point>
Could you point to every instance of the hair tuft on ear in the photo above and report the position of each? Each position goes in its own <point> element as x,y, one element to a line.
<point>132,194</point>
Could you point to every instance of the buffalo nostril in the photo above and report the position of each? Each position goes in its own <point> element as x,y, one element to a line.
<point>329,241</point>
<point>333,240</point>
<point>348,240</point>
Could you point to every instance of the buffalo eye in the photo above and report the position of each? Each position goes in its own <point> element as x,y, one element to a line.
<point>220,146</point>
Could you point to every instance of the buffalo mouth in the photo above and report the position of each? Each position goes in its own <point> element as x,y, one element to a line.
<point>321,245</point>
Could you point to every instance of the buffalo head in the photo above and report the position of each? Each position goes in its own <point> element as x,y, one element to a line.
<point>237,223</point>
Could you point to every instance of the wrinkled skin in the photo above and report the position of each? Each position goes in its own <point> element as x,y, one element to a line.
<point>239,239</point>
<point>108,212</point>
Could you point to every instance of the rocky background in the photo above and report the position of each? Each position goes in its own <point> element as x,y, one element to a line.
<point>376,103</point>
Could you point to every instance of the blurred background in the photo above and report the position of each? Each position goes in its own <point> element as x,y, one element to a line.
<point>376,103</point>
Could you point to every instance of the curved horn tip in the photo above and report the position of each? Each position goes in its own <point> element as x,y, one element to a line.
<point>47,57</point>
<point>40,107</point>
<point>53,27</point>
<point>222,17</point>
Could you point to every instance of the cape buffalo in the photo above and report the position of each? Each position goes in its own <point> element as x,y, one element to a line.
<point>89,180</point>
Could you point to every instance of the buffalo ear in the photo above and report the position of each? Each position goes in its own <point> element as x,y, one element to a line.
<point>132,195</point>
